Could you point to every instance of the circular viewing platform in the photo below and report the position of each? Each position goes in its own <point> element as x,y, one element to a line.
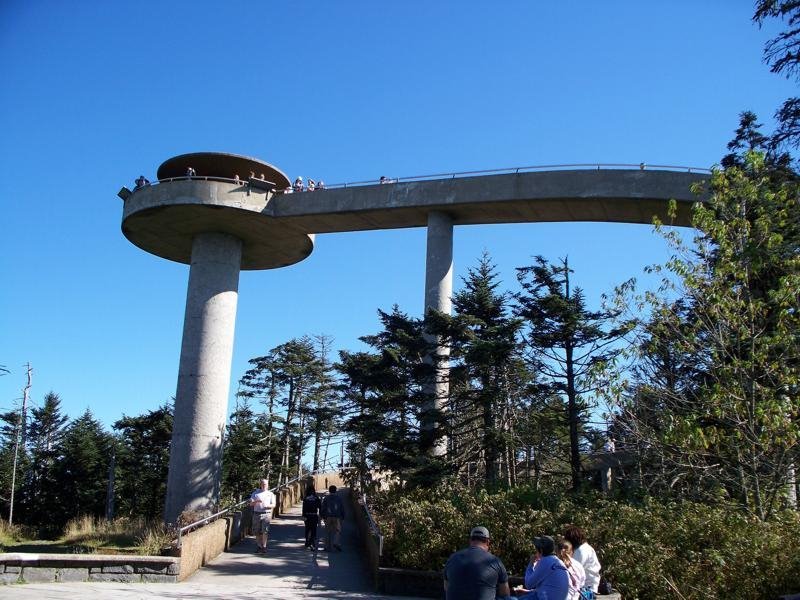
<point>218,196</point>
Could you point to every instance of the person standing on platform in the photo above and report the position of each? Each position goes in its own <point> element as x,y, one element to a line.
<point>311,516</point>
<point>333,513</point>
<point>263,503</point>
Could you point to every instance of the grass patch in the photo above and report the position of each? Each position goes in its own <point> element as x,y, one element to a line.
<point>90,535</point>
<point>9,534</point>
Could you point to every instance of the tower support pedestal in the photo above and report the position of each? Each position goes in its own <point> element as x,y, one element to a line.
<point>201,399</point>
<point>438,294</point>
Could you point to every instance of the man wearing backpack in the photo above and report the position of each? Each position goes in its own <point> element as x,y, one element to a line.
<point>333,513</point>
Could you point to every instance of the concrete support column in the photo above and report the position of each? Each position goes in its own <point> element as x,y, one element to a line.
<point>201,400</point>
<point>606,477</point>
<point>438,294</point>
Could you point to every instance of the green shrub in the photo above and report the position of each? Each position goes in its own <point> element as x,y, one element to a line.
<point>649,550</point>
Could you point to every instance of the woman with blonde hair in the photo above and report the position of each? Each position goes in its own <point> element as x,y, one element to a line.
<point>577,576</point>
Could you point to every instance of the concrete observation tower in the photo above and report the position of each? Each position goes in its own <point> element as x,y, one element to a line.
<point>215,224</point>
<point>219,224</point>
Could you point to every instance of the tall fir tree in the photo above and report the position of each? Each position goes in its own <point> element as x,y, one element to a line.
<point>487,374</point>
<point>397,377</point>
<point>245,460</point>
<point>45,431</point>
<point>142,461</point>
<point>565,342</point>
<point>80,474</point>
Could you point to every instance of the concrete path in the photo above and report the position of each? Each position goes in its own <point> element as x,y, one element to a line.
<point>287,570</point>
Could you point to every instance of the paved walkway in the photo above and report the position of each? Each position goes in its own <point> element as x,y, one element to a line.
<point>287,570</point>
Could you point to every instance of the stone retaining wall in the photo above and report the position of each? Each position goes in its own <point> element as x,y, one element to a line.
<point>197,549</point>
<point>430,584</point>
<point>369,541</point>
<point>47,568</point>
<point>201,546</point>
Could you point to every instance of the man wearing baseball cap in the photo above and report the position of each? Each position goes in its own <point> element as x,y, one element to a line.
<point>474,573</point>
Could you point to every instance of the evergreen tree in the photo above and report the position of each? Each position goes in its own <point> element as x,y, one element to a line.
<point>142,461</point>
<point>324,410</point>
<point>782,56</point>
<point>80,473</point>
<point>397,376</point>
<point>245,460</point>
<point>288,380</point>
<point>259,384</point>
<point>565,342</point>
<point>487,373</point>
<point>296,369</point>
<point>362,419</point>
<point>543,439</point>
<point>45,431</point>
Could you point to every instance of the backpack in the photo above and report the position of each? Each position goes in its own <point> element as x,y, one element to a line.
<point>605,586</point>
<point>331,507</point>
<point>310,505</point>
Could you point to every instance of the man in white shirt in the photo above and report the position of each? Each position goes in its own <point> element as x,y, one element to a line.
<point>263,503</point>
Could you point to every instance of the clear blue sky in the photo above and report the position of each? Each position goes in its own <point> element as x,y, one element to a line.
<point>94,93</point>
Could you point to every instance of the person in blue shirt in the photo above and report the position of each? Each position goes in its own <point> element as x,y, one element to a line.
<point>546,577</point>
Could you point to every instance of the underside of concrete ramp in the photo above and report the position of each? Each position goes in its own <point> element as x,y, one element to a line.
<point>611,195</point>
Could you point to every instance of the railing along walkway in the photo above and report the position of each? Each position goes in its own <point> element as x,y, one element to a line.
<point>287,565</point>
<point>260,183</point>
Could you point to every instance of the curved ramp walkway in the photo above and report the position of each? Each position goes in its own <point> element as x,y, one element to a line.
<point>288,565</point>
<point>287,570</point>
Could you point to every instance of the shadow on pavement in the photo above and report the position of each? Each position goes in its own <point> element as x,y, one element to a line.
<point>287,564</point>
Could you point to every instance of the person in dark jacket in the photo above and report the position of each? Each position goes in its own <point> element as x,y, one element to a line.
<point>311,506</point>
<point>333,513</point>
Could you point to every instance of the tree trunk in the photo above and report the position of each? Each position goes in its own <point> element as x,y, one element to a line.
<point>284,476</point>
<point>489,442</point>
<point>573,419</point>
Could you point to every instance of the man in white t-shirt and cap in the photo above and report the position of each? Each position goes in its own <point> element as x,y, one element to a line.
<point>263,503</point>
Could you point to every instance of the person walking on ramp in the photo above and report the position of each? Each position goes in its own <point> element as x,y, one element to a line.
<point>263,503</point>
<point>333,513</point>
<point>311,516</point>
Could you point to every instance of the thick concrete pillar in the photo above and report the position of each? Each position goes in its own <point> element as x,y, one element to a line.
<point>606,477</point>
<point>201,400</point>
<point>438,296</point>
